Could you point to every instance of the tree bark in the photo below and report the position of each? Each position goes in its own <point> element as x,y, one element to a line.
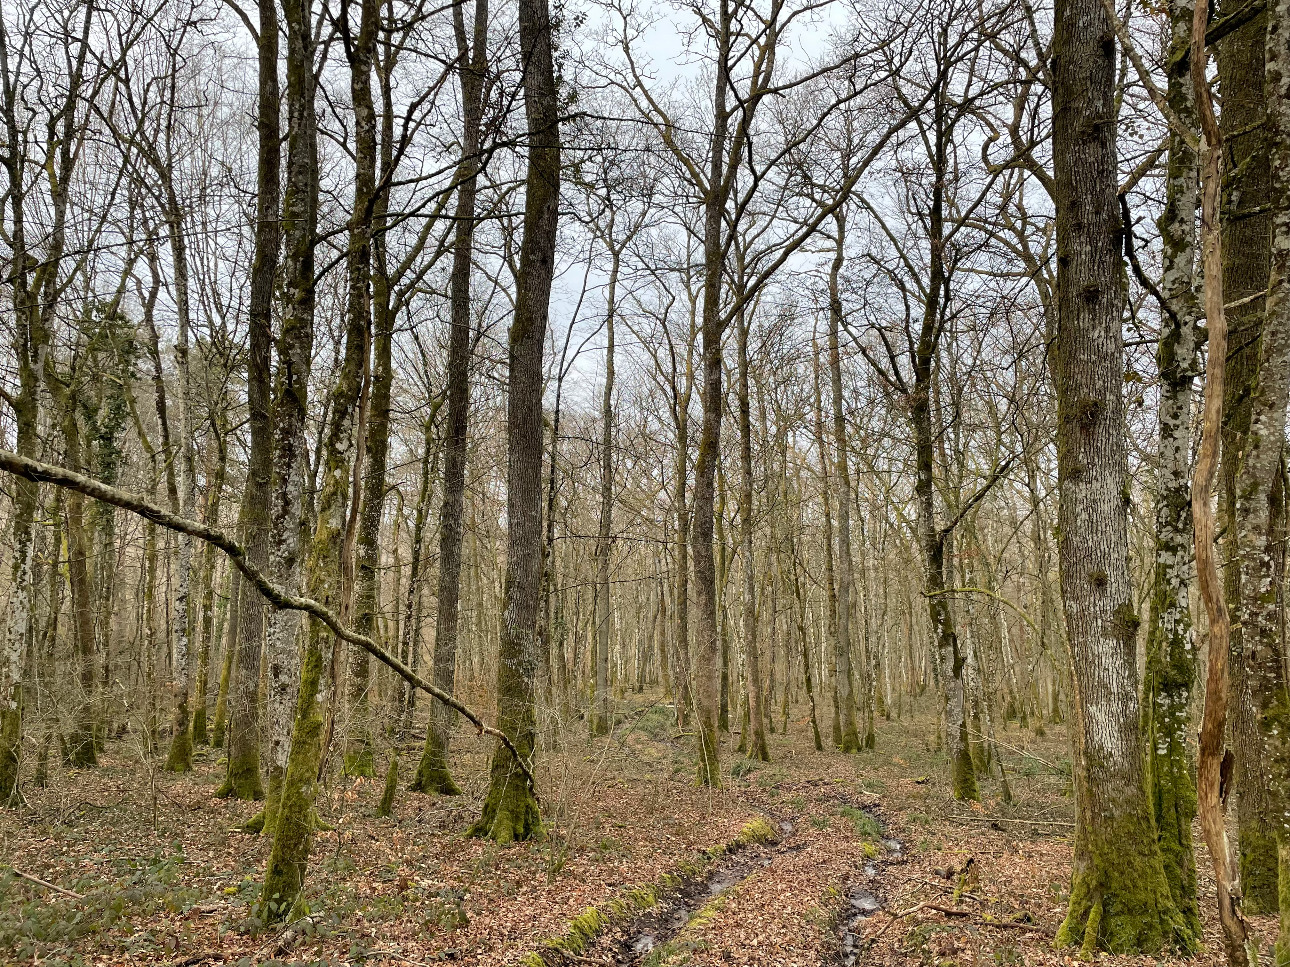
<point>1119,897</point>
<point>511,809</point>
<point>1259,502</point>
<point>756,748</point>
<point>295,772</point>
<point>433,774</point>
<point>1245,252</point>
<point>843,568</point>
<point>244,780</point>
<point>1171,650</point>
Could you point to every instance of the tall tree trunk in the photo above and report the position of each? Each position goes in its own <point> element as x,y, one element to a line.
<point>292,821</point>
<point>433,774</point>
<point>602,717</point>
<point>510,809</point>
<point>830,582</point>
<point>756,748</point>
<point>1119,897</point>
<point>707,671</point>
<point>1171,652</point>
<point>244,780</point>
<point>180,757</point>
<point>366,212</point>
<point>1245,254</point>
<point>842,564</point>
<point>1259,500</point>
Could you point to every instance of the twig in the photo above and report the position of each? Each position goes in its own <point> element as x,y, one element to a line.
<point>197,958</point>
<point>1005,819</point>
<point>956,912</point>
<point>46,884</point>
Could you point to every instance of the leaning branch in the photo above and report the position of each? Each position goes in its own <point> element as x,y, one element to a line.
<point>39,472</point>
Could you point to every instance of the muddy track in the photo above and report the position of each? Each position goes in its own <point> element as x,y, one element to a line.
<point>863,899</point>
<point>642,938</point>
<point>666,921</point>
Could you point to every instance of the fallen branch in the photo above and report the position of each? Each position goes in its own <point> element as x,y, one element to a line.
<point>45,883</point>
<point>1005,819</point>
<point>191,959</point>
<point>38,472</point>
<point>956,912</point>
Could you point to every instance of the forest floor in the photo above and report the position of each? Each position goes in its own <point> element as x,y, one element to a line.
<point>870,862</point>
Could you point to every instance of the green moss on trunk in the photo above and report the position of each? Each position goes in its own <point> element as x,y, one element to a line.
<point>432,771</point>
<point>293,824</point>
<point>1119,898</point>
<point>200,734</point>
<point>10,750</point>
<point>243,779</point>
<point>510,811</point>
<point>962,771</point>
<point>180,757</point>
<point>386,805</point>
<point>360,760</point>
<point>1258,852</point>
<point>221,699</point>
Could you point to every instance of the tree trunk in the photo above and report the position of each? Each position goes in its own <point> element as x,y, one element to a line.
<point>1259,502</point>
<point>208,630</point>
<point>180,757</point>
<point>432,772</point>
<point>292,821</point>
<point>1171,654</point>
<point>243,779</point>
<point>510,809</point>
<point>1119,897</point>
<point>367,212</point>
<point>1245,253</point>
<point>602,716</point>
<point>756,748</point>
<point>842,564</point>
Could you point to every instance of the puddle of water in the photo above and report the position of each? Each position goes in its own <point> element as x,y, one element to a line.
<point>863,905</point>
<point>864,902</point>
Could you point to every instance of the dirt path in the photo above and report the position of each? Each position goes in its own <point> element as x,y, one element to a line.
<point>800,896</point>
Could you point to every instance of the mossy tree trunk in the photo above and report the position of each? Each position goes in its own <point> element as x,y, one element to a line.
<point>289,710</point>
<point>1260,508</point>
<point>433,775</point>
<point>244,779</point>
<point>1171,648</point>
<point>1119,897</point>
<point>510,809</point>
<point>1241,60</point>
<point>292,821</point>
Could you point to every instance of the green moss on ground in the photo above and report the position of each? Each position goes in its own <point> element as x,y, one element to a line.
<point>587,926</point>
